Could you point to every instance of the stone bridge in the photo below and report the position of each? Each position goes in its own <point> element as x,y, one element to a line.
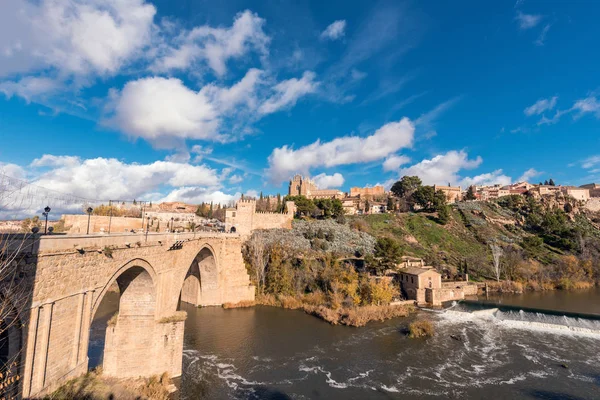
<point>61,281</point>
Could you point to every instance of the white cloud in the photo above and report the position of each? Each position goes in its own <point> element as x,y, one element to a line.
<point>588,105</point>
<point>528,175</point>
<point>487,179</point>
<point>590,162</point>
<point>12,171</point>
<point>542,37</point>
<point>285,161</point>
<point>442,169</point>
<point>541,106</point>
<point>235,179</point>
<point>73,37</point>
<point>393,162</point>
<point>109,178</point>
<point>214,45</point>
<point>197,195</point>
<point>324,181</point>
<point>166,112</point>
<point>29,87</point>
<point>162,110</point>
<point>63,182</point>
<point>335,30</point>
<point>288,92</point>
<point>49,160</point>
<point>527,21</point>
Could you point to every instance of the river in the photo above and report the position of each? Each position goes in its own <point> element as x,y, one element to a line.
<point>272,353</point>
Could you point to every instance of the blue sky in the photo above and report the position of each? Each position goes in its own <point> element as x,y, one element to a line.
<point>201,100</point>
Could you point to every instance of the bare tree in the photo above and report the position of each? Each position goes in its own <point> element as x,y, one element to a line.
<point>259,257</point>
<point>496,254</point>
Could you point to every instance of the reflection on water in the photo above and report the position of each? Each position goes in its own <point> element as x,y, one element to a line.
<point>577,301</point>
<point>272,353</point>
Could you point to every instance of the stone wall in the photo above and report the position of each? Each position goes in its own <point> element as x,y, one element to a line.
<point>64,285</point>
<point>244,218</point>
<point>77,224</point>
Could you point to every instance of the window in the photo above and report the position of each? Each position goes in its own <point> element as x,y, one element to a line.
<point>233,214</point>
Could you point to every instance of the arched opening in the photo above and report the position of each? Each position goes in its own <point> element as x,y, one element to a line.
<point>10,348</point>
<point>233,230</point>
<point>121,339</point>
<point>201,286</point>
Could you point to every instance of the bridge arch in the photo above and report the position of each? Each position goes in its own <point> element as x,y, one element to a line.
<point>127,338</point>
<point>10,346</point>
<point>200,284</point>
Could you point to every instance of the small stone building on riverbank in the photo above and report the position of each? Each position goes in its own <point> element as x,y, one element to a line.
<point>425,286</point>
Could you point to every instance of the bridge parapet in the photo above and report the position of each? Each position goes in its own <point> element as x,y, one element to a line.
<point>53,243</point>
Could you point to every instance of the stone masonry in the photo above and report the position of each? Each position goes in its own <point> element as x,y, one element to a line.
<point>66,277</point>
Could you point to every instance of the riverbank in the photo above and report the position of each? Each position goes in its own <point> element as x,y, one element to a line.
<point>95,386</point>
<point>507,286</point>
<point>318,306</point>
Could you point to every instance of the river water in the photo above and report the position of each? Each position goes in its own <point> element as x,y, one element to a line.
<point>271,353</point>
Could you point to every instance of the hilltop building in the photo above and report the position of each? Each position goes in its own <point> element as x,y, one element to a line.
<point>453,193</point>
<point>594,189</point>
<point>304,186</point>
<point>367,192</point>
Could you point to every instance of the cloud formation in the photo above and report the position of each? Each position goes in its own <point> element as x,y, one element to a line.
<point>166,112</point>
<point>442,169</point>
<point>334,31</point>
<point>324,181</point>
<point>214,46</point>
<point>73,37</point>
<point>285,161</point>
<point>540,106</point>
<point>527,21</point>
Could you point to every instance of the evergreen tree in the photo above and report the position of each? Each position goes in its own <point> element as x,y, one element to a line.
<point>546,182</point>
<point>551,182</point>
<point>210,211</point>
<point>470,193</point>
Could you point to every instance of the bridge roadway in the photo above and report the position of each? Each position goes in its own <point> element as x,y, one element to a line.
<point>61,280</point>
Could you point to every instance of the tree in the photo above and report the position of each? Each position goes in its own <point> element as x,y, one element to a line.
<point>443,214</point>
<point>424,197</point>
<point>496,254</point>
<point>551,182</point>
<point>210,211</point>
<point>470,195</point>
<point>546,182</point>
<point>406,186</point>
<point>390,204</point>
<point>387,254</point>
<point>259,257</point>
<point>304,206</point>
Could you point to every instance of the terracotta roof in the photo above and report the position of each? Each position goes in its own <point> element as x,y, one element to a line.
<point>416,271</point>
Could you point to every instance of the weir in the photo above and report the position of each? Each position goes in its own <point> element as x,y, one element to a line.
<point>508,307</point>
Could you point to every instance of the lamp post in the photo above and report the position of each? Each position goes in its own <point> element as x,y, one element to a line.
<point>147,228</point>
<point>109,215</point>
<point>89,213</point>
<point>45,214</point>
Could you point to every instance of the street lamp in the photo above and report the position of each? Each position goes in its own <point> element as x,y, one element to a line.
<point>45,214</point>
<point>147,227</point>
<point>89,213</point>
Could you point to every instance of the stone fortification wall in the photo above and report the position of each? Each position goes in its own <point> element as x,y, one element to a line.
<point>244,218</point>
<point>75,224</point>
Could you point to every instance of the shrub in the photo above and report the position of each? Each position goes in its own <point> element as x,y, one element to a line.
<point>108,251</point>
<point>420,329</point>
<point>241,304</point>
<point>177,317</point>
